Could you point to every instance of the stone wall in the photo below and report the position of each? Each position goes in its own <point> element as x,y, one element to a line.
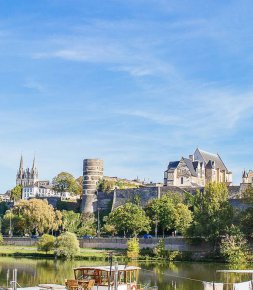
<point>171,243</point>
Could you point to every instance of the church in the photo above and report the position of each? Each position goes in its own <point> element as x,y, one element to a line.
<point>197,170</point>
<point>32,187</point>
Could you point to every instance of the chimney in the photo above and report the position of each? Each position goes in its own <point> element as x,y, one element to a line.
<point>191,157</point>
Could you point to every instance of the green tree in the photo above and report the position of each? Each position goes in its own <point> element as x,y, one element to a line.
<point>16,222</point>
<point>212,213</point>
<point>16,193</point>
<point>105,185</point>
<point>46,243</point>
<point>129,219</point>
<point>169,213</point>
<point>1,240</point>
<point>245,216</point>
<point>65,181</point>
<point>87,225</point>
<point>70,221</point>
<point>38,216</point>
<point>67,246</point>
<point>233,246</point>
<point>133,248</point>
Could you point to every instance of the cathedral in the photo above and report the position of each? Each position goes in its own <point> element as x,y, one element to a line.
<point>197,170</point>
<point>27,177</point>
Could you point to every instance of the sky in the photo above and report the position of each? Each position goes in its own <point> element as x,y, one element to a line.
<point>137,83</point>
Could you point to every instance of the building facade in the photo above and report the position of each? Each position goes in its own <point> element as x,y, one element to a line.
<point>27,177</point>
<point>197,170</point>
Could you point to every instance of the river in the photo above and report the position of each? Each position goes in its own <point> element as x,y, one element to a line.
<point>167,276</point>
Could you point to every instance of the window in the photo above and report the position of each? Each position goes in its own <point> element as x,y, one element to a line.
<point>182,180</point>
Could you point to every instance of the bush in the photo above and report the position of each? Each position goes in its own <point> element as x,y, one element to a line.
<point>46,243</point>
<point>233,247</point>
<point>67,246</point>
<point>161,252</point>
<point>133,248</point>
<point>1,240</point>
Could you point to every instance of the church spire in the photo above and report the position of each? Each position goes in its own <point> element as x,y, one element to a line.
<point>21,165</point>
<point>33,167</point>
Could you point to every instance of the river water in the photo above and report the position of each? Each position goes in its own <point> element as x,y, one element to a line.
<point>167,276</point>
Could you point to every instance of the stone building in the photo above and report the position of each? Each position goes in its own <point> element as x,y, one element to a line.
<point>197,170</point>
<point>27,176</point>
<point>32,187</point>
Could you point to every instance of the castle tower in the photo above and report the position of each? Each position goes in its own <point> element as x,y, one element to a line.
<point>93,170</point>
<point>245,176</point>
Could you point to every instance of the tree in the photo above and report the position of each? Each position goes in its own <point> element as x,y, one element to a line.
<point>212,213</point>
<point>133,248</point>
<point>87,225</point>
<point>46,243</point>
<point>233,246</point>
<point>65,181</point>
<point>38,216</point>
<point>16,222</point>
<point>105,185</point>
<point>16,193</point>
<point>129,219</point>
<point>67,246</point>
<point>246,216</point>
<point>70,221</point>
<point>169,213</point>
<point>1,240</point>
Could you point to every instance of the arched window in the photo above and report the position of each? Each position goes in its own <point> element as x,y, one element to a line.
<point>182,180</point>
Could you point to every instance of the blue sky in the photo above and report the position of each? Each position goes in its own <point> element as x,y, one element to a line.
<point>137,83</point>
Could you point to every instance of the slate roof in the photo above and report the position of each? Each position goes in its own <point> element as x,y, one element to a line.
<point>207,156</point>
<point>173,165</point>
<point>189,164</point>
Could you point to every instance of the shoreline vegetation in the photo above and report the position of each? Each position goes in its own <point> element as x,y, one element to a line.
<point>88,254</point>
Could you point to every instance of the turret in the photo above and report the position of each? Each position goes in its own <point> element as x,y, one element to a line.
<point>245,177</point>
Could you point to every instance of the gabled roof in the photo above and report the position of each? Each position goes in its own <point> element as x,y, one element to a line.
<point>207,156</point>
<point>189,164</point>
<point>173,165</point>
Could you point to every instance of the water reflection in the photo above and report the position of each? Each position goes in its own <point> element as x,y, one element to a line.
<point>167,276</point>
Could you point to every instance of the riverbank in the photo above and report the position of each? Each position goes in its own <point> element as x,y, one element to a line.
<point>32,252</point>
<point>89,254</point>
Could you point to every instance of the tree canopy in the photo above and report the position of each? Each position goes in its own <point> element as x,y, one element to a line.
<point>16,193</point>
<point>212,212</point>
<point>65,181</point>
<point>129,219</point>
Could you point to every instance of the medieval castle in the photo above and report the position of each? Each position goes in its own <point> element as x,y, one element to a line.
<point>184,175</point>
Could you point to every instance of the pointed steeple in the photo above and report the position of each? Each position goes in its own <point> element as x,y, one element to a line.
<point>21,165</point>
<point>33,167</point>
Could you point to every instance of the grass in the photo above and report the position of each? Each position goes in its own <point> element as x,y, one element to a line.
<point>31,251</point>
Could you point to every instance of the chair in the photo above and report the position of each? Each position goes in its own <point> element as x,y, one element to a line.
<point>90,285</point>
<point>71,284</point>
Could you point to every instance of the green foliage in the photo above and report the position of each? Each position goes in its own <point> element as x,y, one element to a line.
<point>67,246</point>
<point>161,253</point>
<point>212,213</point>
<point>16,193</point>
<point>17,223</point>
<point>105,185</point>
<point>129,219</point>
<point>46,243</point>
<point>159,250</point>
<point>70,221</point>
<point>246,221</point>
<point>37,216</point>
<point>65,181</point>
<point>1,240</point>
<point>88,225</point>
<point>133,248</point>
<point>233,247</point>
<point>170,212</point>
<point>3,208</point>
<point>247,194</point>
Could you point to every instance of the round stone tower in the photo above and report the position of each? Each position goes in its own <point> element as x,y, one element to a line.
<point>93,170</point>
